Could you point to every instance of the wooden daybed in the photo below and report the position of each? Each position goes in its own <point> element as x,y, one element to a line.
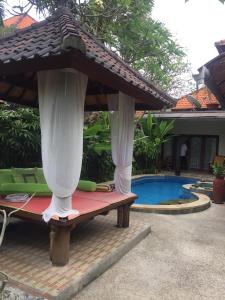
<point>89,204</point>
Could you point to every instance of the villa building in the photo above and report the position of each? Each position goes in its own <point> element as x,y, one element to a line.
<point>200,118</point>
<point>200,122</point>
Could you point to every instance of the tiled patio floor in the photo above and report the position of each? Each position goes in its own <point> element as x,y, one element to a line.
<point>24,255</point>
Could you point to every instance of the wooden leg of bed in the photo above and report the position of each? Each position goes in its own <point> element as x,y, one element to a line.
<point>126,215</point>
<point>123,216</point>
<point>120,216</point>
<point>60,245</point>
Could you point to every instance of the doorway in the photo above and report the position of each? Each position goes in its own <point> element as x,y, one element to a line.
<point>201,150</point>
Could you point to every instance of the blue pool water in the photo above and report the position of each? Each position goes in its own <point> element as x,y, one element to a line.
<point>155,189</point>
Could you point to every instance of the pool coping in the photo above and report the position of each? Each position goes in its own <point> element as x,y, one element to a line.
<point>201,204</point>
<point>201,190</point>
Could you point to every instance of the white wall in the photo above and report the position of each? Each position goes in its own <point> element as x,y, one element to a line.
<point>203,127</point>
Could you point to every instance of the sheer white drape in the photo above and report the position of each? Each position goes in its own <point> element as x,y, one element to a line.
<point>121,109</point>
<point>61,103</point>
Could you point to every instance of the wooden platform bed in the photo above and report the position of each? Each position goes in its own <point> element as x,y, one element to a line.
<point>89,204</point>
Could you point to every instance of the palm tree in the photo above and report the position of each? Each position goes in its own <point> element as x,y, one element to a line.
<point>150,138</point>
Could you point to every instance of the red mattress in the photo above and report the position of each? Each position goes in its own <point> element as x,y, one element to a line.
<point>84,202</point>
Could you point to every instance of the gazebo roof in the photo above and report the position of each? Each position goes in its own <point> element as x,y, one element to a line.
<point>61,42</point>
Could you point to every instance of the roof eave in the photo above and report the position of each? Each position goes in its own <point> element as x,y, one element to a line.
<point>77,60</point>
<point>189,115</point>
<point>210,81</point>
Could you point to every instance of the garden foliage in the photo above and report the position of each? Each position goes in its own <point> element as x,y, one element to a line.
<point>19,137</point>
<point>150,135</point>
<point>20,142</point>
<point>97,162</point>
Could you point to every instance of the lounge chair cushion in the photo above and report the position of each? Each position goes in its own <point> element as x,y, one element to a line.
<point>24,175</point>
<point>40,175</point>
<point>6,177</point>
<point>87,186</point>
<point>30,180</point>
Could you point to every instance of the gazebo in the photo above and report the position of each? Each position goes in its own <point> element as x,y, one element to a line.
<point>57,65</point>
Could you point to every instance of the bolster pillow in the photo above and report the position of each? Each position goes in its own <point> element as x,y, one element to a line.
<point>41,189</point>
<point>27,188</point>
<point>87,186</point>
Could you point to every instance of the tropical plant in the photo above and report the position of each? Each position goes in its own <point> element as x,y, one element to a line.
<point>149,138</point>
<point>97,135</point>
<point>19,137</point>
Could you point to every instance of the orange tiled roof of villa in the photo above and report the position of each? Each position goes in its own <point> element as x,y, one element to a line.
<point>19,21</point>
<point>204,96</point>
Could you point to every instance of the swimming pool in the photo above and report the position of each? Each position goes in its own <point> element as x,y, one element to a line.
<point>156,189</point>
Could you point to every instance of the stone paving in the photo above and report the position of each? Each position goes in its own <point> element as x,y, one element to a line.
<point>182,259</point>
<point>24,255</point>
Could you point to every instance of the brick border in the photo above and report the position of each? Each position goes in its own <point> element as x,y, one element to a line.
<point>95,270</point>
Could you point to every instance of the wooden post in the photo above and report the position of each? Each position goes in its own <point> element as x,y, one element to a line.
<point>126,215</point>
<point>120,216</point>
<point>123,216</point>
<point>60,245</point>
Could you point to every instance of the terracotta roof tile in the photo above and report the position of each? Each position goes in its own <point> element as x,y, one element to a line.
<point>19,21</point>
<point>204,97</point>
<point>139,114</point>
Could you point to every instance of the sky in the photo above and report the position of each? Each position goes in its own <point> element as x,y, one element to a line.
<point>196,25</point>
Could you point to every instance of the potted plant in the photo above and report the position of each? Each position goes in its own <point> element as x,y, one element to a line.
<point>218,184</point>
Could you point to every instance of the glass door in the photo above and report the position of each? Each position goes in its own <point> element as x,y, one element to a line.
<point>201,151</point>
<point>210,150</point>
<point>195,153</point>
<point>178,143</point>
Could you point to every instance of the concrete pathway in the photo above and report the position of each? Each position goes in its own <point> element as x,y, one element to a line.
<point>183,258</point>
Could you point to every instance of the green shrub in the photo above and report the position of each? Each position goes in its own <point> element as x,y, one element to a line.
<point>97,162</point>
<point>97,166</point>
<point>218,170</point>
<point>20,137</point>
